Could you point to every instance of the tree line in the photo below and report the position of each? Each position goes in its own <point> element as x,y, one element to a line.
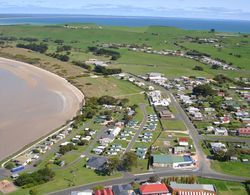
<point>42,48</point>
<point>100,51</point>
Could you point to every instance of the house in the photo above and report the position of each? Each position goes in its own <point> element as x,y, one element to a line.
<point>210,128</point>
<point>23,159</point>
<point>243,131</point>
<point>154,189</point>
<point>115,131</point>
<point>197,116</point>
<point>172,161</point>
<point>106,139</point>
<point>183,141</point>
<point>141,152</point>
<point>165,114</point>
<point>123,189</point>
<point>225,120</point>
<point>154,76</point>
<point>218,146</point>
<point>179,150</point>
<point>96,163</point>
<point>209,109</point>
<point>86,192</point>
<point>151,88</point>
<point>245,120</point>
<point>221,131</point>
<point>192,189</point>
<point>106,191</point>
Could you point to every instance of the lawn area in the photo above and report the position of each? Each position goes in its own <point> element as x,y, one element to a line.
<point>173,125</point>
<point>225,187</point>
<point>141,168</point>
<point>232,168</point>
<point>73,176</point>
<point>202,125</point>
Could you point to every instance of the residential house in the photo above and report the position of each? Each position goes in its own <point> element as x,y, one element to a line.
<point>210,128</point>
<point>220,131</point>
<point>192,189</point>
<point>165,114</point>
<point>141,152</point>
<point>106,191</point>
<point>85,192</point>
<point>183,141</point>
<point>218,146</point>
<point>225,120</point>
<point>180,150</point>
<point>23,159</point>
<point>243,131</point>
<point>96,163</point>
<point>123,189</point>
<point>154,76</point>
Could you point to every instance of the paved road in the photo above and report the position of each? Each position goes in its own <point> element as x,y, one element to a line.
<point>138,132</point>
<point>226,138</point>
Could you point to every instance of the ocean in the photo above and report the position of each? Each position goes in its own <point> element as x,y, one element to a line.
<point>184,23</point>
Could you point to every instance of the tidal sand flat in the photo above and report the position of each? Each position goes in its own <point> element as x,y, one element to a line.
<point>33,102</point>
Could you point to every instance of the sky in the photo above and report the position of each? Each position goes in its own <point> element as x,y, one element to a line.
<point>215,9</point>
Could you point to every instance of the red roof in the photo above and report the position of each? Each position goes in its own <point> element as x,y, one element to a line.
<point>106,191</point>
<point>153,188</point>
<point>244,130</point>
<point>183,139</point>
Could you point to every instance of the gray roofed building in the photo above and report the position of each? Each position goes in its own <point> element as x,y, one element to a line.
<point>125,189</point>
<point>96,163</point>
<point>193,188</point>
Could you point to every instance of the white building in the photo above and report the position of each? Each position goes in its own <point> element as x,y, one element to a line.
<point>221,131</point>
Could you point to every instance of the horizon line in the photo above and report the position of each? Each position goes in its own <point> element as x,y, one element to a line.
<point>119,16</point>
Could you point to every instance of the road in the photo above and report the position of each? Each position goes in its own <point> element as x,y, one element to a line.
<point>138,132</point>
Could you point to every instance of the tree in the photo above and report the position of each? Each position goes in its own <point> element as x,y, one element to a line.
<point>212,30</point>
<point>130,160</point>
<point>33,191</point>
<point>9,165</point>
<point>35,178</point>
<point>99,187</point>
<point>203,90</point>
<point>109,100</point>
<point>154,179</point>
<point>199,68</point>
<point>112,165</point>
<point>220,155</point>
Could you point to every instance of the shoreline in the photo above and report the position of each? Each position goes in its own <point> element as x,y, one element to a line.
<point>36,78</point>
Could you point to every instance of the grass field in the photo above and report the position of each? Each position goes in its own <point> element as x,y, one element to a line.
<point>225,187</point>
<point>73,176</point>
<point>136,62</point>
<point>232,168</point>
<point>173,125</point>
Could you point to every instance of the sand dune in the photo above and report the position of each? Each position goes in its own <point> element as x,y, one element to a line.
<point>39,102</point>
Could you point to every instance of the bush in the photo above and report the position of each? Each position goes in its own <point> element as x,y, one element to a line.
<point>38,177</point>
<point>10,165</point>
<point>203,90</point>
<point>114,54</point>
<point>42,48</point>
<point>107,71</point>
<point>199,68</point>
<point>82,64</point>
<point>67,148</point>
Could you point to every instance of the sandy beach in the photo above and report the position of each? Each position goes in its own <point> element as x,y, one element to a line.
<point>33,102</point>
